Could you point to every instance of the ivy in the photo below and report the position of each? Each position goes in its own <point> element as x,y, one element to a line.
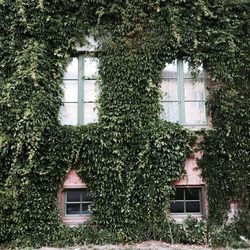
<point>130,159</point>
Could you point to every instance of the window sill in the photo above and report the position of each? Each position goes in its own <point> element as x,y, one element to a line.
<point>179,218</point>
<point>197,127</point>
<point>75,220</point>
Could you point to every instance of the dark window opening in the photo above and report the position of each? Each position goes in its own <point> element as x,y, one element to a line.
<point>186,200</point>
<point>78,202</point>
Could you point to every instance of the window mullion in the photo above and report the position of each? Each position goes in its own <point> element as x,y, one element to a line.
<point>181,92</point>
<point>200,201</point>
<point>81,203</point>
<point>204,75</point>
<point>81,90</point>
<point>185,211</point>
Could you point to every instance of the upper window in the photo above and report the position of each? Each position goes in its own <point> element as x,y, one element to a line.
<point>183,98</point>
<point>186,200</point>
<point>80,91</point>
<point>78,202</point>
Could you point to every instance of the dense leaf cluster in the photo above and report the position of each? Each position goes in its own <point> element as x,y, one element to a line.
<point>130,159</point>
<point>226,159</point>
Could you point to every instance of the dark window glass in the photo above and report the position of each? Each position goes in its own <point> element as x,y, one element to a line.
<point>73,196</point>
<point>186,200</point>
<point>193,207</point>
<point>179,194</point>
<point>177,207</point>
<point>72,208</point>
<point>192,193</point>
<point>86,208</point>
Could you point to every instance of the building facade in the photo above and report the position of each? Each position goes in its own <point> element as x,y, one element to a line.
<point>183,102</point>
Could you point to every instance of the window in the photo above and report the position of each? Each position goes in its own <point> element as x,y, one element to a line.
<point>183,98</point>
<point>77,202</point>
<point>186,200</point>
<point>80,91</point>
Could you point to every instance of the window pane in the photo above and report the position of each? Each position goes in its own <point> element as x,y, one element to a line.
<point>195,113</point>
<point>187,72</point>
<point>86,208</point>
<point>177,207</point>
<point>70,89</point>
<point>90,113</point>
<point>170,70</point>
<point>169,90</point>
<point>72,208</point>
<point>179,194</point>
<point>68,114</point>
<point>192,194</point>
<point>90,67</point>
<point>170,111</point>
<point>86,196</point>
<point>193,207</point>
<point>73,195</point>
<point>194,91</point>
<point>72,69</point>
<point>90,91</point>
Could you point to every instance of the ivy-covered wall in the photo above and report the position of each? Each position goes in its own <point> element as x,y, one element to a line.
<point>226,159</point>
<point>130,159</point>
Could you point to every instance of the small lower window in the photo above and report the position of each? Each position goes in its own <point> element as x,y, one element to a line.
<point>186,200</point>
<point>78,202</point>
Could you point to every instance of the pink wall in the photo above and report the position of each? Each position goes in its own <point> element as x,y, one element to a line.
<point>193,174</point>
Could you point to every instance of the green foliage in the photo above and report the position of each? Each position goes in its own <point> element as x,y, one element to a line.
<point>228,236</point>
<point>142,180</point>
<point>225,163</point>
<point>190,232</point>
<point>130,159</point>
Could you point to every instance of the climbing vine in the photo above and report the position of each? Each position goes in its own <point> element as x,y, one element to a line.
<point>130,159</point>
<point>225,162</point>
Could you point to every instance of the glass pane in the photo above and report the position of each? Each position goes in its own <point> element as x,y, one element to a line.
<point>179,194</point>
<point>170,70</point>
<point>90,91</point>
<point>90,113</point>
<point>170,111</point>
<point>187,71</point>
<point>86,196</point>
<point>70,89</point>
<point>72,69</point>
<point>192,194</point>
<point>72,208</point>
<point>194,91</point>
<point>86,208</point>
<point>193,207</point>
<point>90,67</point>
<point>68,114</point>
<point>177,206</point>
<point>195,113</point>
<point>73,195</point>
<point>169,90</point>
